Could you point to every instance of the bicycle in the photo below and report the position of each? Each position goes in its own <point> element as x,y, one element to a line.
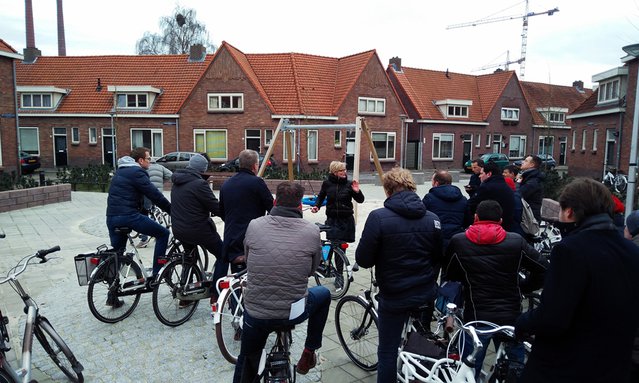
<point>548,236</point>
<point>228,313</point>
<point>36,325</point>
<point>334,271</point>
<point>276,367</point>
<point>614,179</point>
<point>116,279</point>
<point>175,246</point>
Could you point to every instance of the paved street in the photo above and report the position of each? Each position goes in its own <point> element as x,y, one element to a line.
<point>139,348</point>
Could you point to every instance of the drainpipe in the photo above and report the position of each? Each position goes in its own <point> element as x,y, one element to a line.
<point>15,104</point>
<point>177,134</point>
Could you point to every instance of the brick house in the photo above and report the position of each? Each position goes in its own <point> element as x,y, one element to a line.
<point>9,159</point>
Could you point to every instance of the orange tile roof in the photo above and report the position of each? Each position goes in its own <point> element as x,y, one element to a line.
<point>424,87</point>
<point>174,74</point>
<point>5,47</point>
<point>540,95</point>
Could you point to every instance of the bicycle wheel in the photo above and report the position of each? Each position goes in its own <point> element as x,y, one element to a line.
<point>229,331</point>
<point>169,303</point>
<point>5,377</point>
<point>107,300</point>
<point>58,350</point>
<point>356,325</point>
<point>621,183</point>
<point>177,247</point>
<point>332,273</point>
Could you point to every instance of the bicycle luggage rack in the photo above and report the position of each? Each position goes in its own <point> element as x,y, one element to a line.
<point>86,263</point>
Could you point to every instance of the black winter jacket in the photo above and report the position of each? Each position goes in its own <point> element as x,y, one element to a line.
<point>487,260</point>
<point>496,189</point>
<point>449,204</point>
<point>531,189</point>
<point>339,194</point>
<point>193,202</point>
<point>128,186</point>
<point>404,242</point>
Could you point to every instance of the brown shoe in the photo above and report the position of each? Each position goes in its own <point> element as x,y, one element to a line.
<point>307,361</point>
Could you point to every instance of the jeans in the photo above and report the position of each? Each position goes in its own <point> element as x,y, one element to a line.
<point>212,242</point>
<point>255,332</point>
<point>514,350</point>
<point>391,324</point>
<point>141,224</point>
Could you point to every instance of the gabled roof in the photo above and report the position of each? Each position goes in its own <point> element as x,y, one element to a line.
<point>175,75</point>
<point>7,50</point>
<point>591,105</point>
<point>302,84</point>
<point>425,87</point>
<point>542,96</point>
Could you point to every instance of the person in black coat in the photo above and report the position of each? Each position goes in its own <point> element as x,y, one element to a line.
<point>448,203</point>
<point>585,323</point>
<point>493,187</point>
<point>243,198</point>
<point>475,181</point>
<point>403,241</point>
<point>531,185</point>
<point>339,193</point>
<point>193,204</point>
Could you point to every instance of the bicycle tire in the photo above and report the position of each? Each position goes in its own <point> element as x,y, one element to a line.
<point>332,273</point>
<point>58,350</point>
<point>5,377</point>
<point>229,331</point>
<point>357,329</point>
<point>167,304</point>
<point>621,183</point>
<point>203,263</point>
<point>104,286</point>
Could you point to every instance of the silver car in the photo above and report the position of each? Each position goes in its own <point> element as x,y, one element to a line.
<point>175,160</point>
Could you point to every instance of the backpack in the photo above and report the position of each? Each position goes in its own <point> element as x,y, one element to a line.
<point>528,222</point>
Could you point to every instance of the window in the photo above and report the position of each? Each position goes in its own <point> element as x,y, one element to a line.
<point>337,138</point>
<point>574,139</point>
<point>212,142</point>
<point>546,145</point>
<point>608,91</point>
<point>148,138</point>
<point>29,140</point>
<point>226,102</point>
<point>285,145</point>
<point>312,145</point>
<point>611,140</point>
<point>583,139</point>
<point>496,143</point>
<point>368,105</point>
<point>442,146</point>
<point>75,135</point>
<point>457,111</point>
<point>252,139</point>
<point>517,147</point>
<point>93,135</point>
<point>556,117</point>
<point>384,144</point>
<point>488,140</point>
<point>268,137</point>
<point>477,140</point>
<point>132,101</point>
<point>510,114</point>
<point>595,133</point>
<point>36,100</point>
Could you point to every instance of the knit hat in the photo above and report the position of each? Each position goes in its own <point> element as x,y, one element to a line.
<point>632,223</point>
<point>198,163</point>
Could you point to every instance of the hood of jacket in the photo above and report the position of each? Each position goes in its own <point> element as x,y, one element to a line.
<point>532,173</point>
<point>448,193</point>
<point>183,176</point>
<point>486,233</point>
<point>407,204</point>
<point>127,161</point>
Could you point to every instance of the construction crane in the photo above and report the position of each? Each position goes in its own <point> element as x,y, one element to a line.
<point>505,64</point>
<point>524,32</point>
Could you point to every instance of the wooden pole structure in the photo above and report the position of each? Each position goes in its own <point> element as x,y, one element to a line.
<point>288,141</point>
<point>269,151</point>
<point>367,134</point>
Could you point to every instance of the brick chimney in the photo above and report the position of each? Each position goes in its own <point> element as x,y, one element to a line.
<point>62,48</point>
<point>197,52</point>
<point>396,62</point>
<point>579,85</point>
<point>30,53</point>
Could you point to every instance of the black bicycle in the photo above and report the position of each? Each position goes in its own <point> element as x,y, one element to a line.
<point>334,271</point>
<point>36,325</point>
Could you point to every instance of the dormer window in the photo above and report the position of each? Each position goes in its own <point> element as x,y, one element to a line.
<point>457,111</point>
<point>134,96</point>
<point>36,100</point>
<point>608,91</point>
<point>40,97</point>
<point>510,114</point>
<point>554,115</point>
<point>132,100</point>
<point>453,108</point>
<point>226,102</point>
<point>371,106</point>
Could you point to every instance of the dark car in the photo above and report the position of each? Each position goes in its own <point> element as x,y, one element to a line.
<point>175,160</point>
<point>234,164</point>
<point>547,162</point>
<point>29,163</point>
<point>500,158</point>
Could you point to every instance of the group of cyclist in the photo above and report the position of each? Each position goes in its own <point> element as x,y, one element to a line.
<point>590,284</point>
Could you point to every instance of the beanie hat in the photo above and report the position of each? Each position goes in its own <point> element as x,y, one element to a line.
<point>632,223</point>
<point>198,163</point>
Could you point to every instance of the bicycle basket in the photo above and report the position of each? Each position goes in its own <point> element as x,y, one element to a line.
<point>86,263</point>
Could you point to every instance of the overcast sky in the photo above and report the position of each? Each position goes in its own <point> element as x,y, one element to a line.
<point>582,39</point>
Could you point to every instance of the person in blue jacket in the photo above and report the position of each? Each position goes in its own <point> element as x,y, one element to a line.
<point>125,201</point>
<point>448,203</point>
<point>403,241</point>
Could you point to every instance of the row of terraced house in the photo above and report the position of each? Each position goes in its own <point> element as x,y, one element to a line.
<point>75,111</point>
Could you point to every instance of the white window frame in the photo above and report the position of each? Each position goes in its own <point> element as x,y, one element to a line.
<point>510,114</point>
<point>312,151</point>
<point>235,102</point>
<point>371,106</point>
<point>268,137</point>
<point>284,147</point>
<point>488,142</point>
<point>201,147</point>
<point>388,146</point>
<point>583,139</point>
<point>37,138</point>
<point>557,117</point>
<point>521,142</point>
<point>75,135</point>
<point>574,139</point>
<point>337,139</point>
<point>608,91</point>
<point>497,141</point>
<point>459,111</point>
<point>595,134</point>
<point>139,100</point>
<point>93,136</point>
<point>157,140</point>
<point>478,140</point>
<point>542,143</point>
<point>438,137</point>
<point>247,138</point>
<point>32,97</point>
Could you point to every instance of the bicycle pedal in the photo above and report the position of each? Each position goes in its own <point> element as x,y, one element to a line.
<point>131,284</point>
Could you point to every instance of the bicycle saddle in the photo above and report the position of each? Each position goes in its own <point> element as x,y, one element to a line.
<point>284,328</point>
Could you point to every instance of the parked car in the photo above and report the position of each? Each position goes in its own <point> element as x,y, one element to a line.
<point>234,164</point>
<point>29,163</point>
<point>547,162</point>
<point>175,160</point>
<point>500,158</point>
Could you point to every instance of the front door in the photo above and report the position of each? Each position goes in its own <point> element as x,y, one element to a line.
<point>108,150</point>
<point>60,146</point>
<point>467,151</point>
<point>563,143</point>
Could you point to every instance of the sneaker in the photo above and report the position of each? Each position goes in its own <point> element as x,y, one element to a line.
<point>143,243</point>
<point>307,361</point>
<point>184,304</point>
<point>114,302</point>
<point>339,282</point>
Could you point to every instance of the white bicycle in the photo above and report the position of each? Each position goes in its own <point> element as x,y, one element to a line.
<point>616,180</point>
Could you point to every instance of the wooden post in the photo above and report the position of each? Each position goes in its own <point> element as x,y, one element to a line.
<point>367,134</point>
<point>288,141</point>
<point>269,151</point>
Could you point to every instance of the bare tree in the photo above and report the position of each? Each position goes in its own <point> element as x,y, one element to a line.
<point>179,32</point>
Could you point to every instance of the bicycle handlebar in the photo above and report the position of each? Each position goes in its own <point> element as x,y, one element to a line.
<point>41,254</point>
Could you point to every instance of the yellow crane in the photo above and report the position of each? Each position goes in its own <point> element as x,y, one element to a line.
<point>524,33</point>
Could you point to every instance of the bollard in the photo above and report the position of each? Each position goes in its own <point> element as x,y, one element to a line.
<point>42,181</point>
